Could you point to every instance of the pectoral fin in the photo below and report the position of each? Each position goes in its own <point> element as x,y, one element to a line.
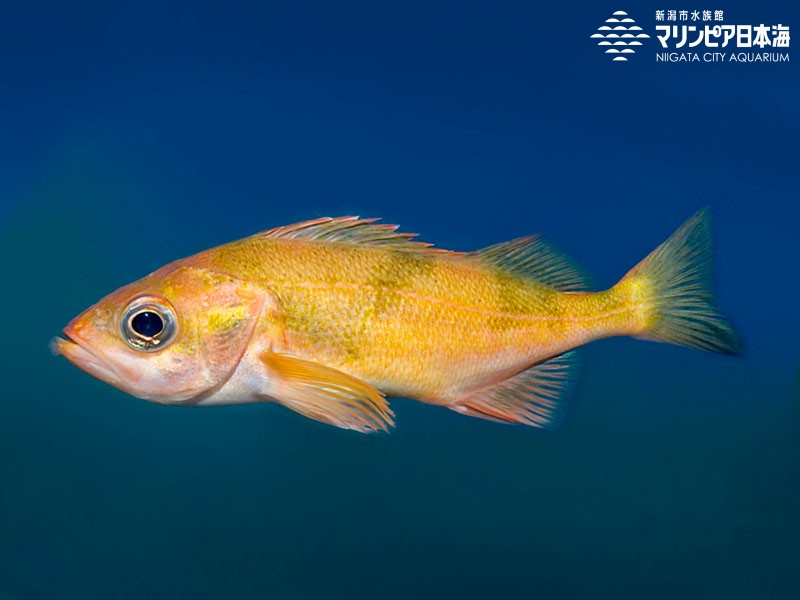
<point>327,395</point>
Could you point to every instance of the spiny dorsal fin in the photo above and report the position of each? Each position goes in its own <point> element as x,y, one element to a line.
<point>350,230</point>
<point>533,258</point>
<point>537,396</point>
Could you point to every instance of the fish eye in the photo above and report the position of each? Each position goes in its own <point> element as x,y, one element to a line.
<point>148,324</point>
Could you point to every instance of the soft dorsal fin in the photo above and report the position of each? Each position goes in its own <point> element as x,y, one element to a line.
<point>349,230</point>
<point>533,258</point>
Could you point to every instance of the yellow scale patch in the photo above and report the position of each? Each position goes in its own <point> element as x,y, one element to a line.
<point>225,319</point>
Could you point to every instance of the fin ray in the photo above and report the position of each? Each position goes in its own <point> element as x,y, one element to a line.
<point>350,230</point>
<point>533,258</point>
<point>677,280</point>
<point>327,395</point>
<point>537,396</point>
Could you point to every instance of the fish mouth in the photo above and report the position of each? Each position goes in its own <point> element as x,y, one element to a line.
<point>77,351</point>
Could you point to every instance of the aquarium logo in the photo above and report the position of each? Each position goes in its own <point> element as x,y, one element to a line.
<point>686,36</point>
<point>620,36</point>
<point>710,40</point>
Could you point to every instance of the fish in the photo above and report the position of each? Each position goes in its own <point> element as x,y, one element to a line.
<point>332,316</point>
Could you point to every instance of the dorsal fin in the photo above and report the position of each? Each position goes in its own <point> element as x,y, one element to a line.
<point>350,230</point>
<point>533,258</point>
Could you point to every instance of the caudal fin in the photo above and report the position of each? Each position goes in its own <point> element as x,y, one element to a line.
<point>674,282</point>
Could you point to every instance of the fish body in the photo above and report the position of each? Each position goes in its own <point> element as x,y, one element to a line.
<point>330,316</point>
<point>415,324</point>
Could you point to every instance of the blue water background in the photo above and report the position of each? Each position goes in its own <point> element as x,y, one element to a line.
<point>134,134</point>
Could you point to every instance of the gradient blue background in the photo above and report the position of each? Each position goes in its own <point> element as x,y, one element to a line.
<point>131,135</point>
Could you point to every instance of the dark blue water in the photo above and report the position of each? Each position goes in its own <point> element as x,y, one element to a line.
<point>136,134</point>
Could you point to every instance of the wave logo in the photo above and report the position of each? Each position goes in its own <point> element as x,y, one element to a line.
<point>620,35</point>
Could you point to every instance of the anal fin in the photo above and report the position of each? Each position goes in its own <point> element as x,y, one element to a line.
<point>326,394</point>
<point>537,396</point>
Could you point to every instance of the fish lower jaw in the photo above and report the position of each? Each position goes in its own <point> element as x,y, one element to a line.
<point>86,360</point>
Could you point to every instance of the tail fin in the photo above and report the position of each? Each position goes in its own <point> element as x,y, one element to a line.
<point>675,281</point>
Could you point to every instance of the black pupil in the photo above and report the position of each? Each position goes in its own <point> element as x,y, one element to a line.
<point>147,323</point>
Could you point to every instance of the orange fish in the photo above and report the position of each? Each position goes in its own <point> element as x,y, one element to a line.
<point>330,316</point>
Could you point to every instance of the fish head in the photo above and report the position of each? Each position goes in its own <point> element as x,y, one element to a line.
<point>172,337</point>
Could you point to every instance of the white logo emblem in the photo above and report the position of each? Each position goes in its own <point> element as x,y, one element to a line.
<point>620,36</point>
